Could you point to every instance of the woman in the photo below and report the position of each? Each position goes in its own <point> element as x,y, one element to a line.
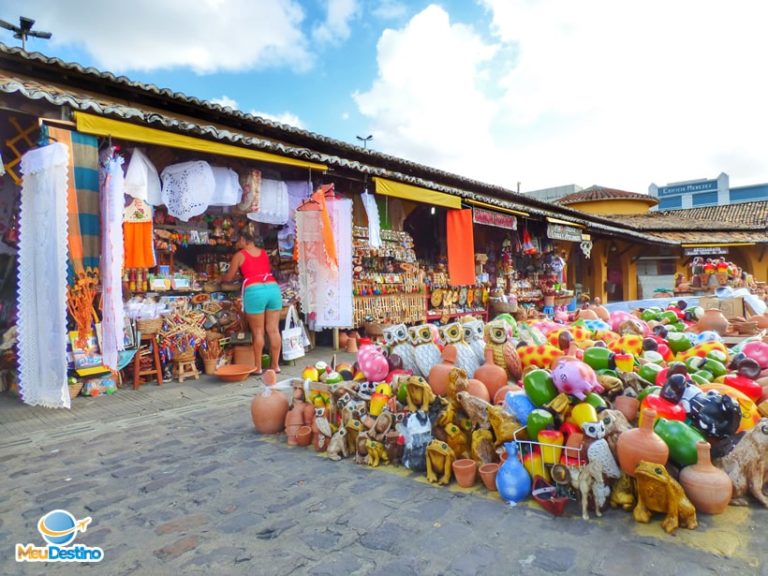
<point>262,300</point>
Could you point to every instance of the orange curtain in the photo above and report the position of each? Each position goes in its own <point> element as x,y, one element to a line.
<point>461,247</point>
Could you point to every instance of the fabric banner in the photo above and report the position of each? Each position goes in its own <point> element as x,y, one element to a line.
<point>42,292</point>
<point>85,156</point>
<point>461,247</point>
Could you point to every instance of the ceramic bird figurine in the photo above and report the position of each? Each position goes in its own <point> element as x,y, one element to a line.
<point>473,336</point>
<point>425,350</point>
<point>453,333</point>
<point>399,343</point>
<point>598,450</point>
<point>504,353</point>
<point>321,429</point>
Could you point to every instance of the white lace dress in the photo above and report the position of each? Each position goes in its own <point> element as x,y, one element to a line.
<point>142,180</point>
<point>187,188</point>
<point>42,292</point>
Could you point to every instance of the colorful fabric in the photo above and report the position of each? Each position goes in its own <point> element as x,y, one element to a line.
<point>461,247</point>
<point>139,245</point>
<point>74,240</point>
<point>42,287</point>
<point>85,156</point>
<point>260,297</point>
<point>327,228</point>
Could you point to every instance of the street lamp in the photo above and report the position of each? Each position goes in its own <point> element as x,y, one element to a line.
<point>24,30</point>
<point>365,140</point>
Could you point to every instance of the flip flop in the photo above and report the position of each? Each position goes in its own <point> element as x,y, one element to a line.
<point>258,373</point>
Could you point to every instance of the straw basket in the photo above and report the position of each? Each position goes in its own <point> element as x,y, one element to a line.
<point>75,389</point>
<point>374,329</point>
<point>149,325</point>
<point>186,356</point>
<point>500,307</point>
<point>209,365</point>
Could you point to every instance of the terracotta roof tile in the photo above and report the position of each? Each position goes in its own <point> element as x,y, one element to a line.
<point>710,237</point>
<point>596,193</point>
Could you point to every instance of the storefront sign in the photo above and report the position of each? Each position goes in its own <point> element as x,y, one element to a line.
<point>491,218</point>
<point>708,186</point>
<point>562,232</point>
<point>705,251</point>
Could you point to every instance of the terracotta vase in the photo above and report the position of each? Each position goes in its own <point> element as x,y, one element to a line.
<point>488,475</point>
<point>628,406</point>
<point>294,420</point>
<point>494,377</point>
<point>343,339</point>
<point>478,389</point>
<point>709,488</point>
<point>438,374</point>
<point>351,346</point>
<point>465,470</point>
<point>304,436</point>
<point>269,378</point>
<point>713,319</point>
<point>641,444</point>
<point>501,393</point>
<point>268,410</point>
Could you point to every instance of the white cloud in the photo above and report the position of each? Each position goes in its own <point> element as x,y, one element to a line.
<point>390,10</point>
<point>426,104</point>
<point>588,92</point>
<point>226,102</point>
<point>205,35</point>
<point>338,14</point>
<point>288,118</point>
<point>345,115</point>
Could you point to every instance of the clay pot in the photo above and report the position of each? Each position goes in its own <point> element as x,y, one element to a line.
<point>628,406</point>
<point>268,410</point>
<point>714,319</point>
<point>290,433</point>
<point>488,475</point>
<point>269,378</point>
<point>304,436</point>
<point>351,346</point>
<point>343,339</point>
<point>294,420</point>
<point>309,412</point>
<point>465,470</point>
<point>438,374</point>
<point>501,393</point>
<point>762,321</point>
<point>641,444</point>
<point>709,488</point>
<point>494,377</point>
<point>477,388</point>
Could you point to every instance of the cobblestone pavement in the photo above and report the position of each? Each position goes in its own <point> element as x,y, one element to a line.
<point>192,489</point>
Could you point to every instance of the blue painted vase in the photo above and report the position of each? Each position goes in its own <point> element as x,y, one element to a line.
<point>513,481</point>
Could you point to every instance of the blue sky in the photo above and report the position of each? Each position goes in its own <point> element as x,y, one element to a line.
<point>541,92</point>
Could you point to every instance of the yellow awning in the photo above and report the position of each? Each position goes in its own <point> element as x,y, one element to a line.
<point>564,222</point>
<point>415,193</point>
<point>100,126</point>
<point>718,245</point>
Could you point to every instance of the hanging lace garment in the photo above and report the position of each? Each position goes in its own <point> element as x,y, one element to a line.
<point>250,182</point>
<point>227,191</point>
<point>141,179</point>
<point>187,188</point>
<point>298,191</point>
<point>42,290</point>
<point>326,294</point>
<point>374,222</point>
<point>112,185</point>
<point>273,203</point>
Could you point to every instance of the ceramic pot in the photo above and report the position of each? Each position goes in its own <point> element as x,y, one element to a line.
<point>628,406</point>
<point>709,488</point>
<point>269,378</point>
<point>512,480</point>
<point>641,444</point>
<point>343,339</point>
<point>438,374</point>
<point>351,347</point>
<point>268,410</point>
<point>494,377</point>
<point>501,393</point>
<point>713,319</point>
<point>465,470</point>
<point>488,474</point>
<point>304,436</point>
<point>294,420</point>
<point>290,433</point>
<point>477,389</point>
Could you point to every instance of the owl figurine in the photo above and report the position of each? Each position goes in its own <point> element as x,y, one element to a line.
<point>425,350</point>
<point>399,343</point>
<point>453,333</point>
<point>473,336</point>
<point>504,353</point>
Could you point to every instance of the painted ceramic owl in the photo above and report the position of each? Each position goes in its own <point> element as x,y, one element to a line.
<point>399,343</point>
<point>453,333</point>
<point>504,353</point>
<point>473,335</point>
<point>425,350</point>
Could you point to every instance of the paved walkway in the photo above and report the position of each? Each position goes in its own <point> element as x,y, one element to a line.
<point>177,482</point>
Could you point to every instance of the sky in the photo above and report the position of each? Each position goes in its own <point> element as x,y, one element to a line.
<point>525,94</point>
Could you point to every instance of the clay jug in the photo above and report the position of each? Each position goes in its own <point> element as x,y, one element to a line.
<point>501,393</point>
<point>493,376</point>
<point>707,487</point>
<point>488,475</point>
<point>438,374</point>
<point>627,405</point>
<point>343,339</point>
<point>465,470</point>
<point>641,444</point>
<point>268,410</point>
<point>512,480</point>
<point>713,319</point>
<point>269,378</point>
<point>478,389</point>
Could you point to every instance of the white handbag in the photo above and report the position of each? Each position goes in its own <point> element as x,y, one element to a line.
<point>293,336</point>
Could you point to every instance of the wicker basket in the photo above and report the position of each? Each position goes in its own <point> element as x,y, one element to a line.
<point>500,307</point>
<point>374,329</point>
<point>75,389</point>
<point>149,325</point>
<point>186,356</point>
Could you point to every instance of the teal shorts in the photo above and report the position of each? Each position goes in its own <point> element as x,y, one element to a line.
<point>260,297</point>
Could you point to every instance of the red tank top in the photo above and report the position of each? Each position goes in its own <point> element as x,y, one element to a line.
<point>255,269</point>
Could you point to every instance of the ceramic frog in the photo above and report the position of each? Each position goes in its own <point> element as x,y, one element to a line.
<point>657,491</point>
<point>376,453</point>
<point>440,459</point>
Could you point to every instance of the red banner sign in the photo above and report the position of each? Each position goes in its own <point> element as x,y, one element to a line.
<point>491,218</point>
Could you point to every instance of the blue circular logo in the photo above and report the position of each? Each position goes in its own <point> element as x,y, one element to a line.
<point>58,527</point>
